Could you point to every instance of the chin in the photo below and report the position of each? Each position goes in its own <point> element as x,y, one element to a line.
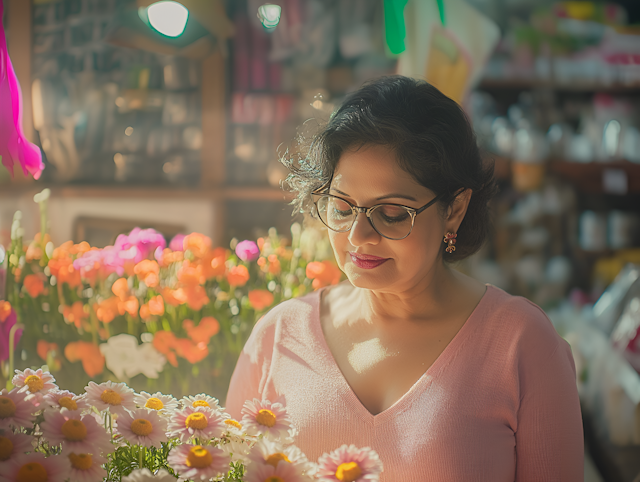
<point>372,279</point>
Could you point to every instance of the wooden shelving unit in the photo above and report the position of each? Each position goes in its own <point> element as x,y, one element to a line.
<point>525,84</point>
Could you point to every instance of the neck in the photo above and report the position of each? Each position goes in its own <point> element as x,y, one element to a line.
<point>423,300</point>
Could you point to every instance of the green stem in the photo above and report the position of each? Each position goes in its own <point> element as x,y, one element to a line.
<point>141,454</point>
<point>12,336</point>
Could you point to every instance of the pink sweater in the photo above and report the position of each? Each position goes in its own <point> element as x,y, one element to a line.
<point>500,404</point>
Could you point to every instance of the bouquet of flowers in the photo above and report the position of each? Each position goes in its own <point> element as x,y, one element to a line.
<point>111,433</point>
<point>158,315</point>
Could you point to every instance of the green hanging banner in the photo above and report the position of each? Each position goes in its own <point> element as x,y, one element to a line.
<point>395,31</point>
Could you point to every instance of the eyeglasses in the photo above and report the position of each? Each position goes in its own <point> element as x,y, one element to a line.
<point>391,221</point>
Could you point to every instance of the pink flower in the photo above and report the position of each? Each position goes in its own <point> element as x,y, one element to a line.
<point>76,433</point>
<point>13,444</point>
<point>86,467</point>
<point>117,397</point>
<point>201,422</point>
<point>146,241</point>
<point>5,334</point>
<point>36,382</point>
<point>143,427</point>
<point>264,417</point>
<point>282,472</point>
<point>58,399</point>
<point>247,250</point>
<point>176,243</point>
<point>14,146</point>
<point>15,409</point>
<point>35,466</point>
<point>350,464</point>
<point>197,462</point>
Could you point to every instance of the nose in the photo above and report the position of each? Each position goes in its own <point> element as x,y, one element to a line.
<point>362,232</point>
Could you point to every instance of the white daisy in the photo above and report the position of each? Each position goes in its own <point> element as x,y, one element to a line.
<point>116,397</point>
<point>164,404</point>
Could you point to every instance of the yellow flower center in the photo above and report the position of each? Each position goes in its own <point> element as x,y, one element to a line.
<point>32,472</point>
<point>266,417</point>
<point>273,459</point>
<point>197,421</point>
<point>141,427</point>
<point>111,397</point>
<point>348,472</point>
<point>34,382</point>
<point>201,403</point>
<point>6,448</point>
<point>154,404</point>
<point>68,403</point>
<point>199,457</point>
<point>233,423</point>
<point>274,478</point>
<point>81,461</point>
<point>7,407</point>
<point>74,430</point>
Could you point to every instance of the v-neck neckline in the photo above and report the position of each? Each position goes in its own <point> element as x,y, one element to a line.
<point>347,391</point>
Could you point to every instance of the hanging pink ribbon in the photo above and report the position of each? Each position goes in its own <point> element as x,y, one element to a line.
<point>13,144</point>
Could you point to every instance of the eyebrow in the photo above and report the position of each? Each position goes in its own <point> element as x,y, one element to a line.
<point>401,196</point>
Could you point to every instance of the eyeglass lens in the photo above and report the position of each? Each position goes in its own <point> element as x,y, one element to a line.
<point>390,221</point>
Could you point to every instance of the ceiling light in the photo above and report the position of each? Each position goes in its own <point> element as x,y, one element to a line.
<point>168,17</point>
<point>269,15</point>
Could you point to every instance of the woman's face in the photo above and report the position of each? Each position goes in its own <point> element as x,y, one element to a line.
<point>369,176</point>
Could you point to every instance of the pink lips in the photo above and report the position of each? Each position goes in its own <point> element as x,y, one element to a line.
<point>366,261</point>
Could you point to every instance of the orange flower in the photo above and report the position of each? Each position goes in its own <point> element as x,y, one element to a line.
<point>202,333</point>
<point>190,276</point>
<point>165,343</point>
<point>75,314</point>
<point>213,264</point>
<point>148,271</point>
<point>197,243</point>
<point>80,248</point>
<point>120,288</point>
<point>34,285</point>
<point>62,251</point>
<point>145,314</point>
<point>45,348</point>
<point>274,264</point>
<point>238,275</point>
<point>190,351</point>
<point>195,297</point>
<point>323,273</point>
<point>107,310</point>
<point>169,257</point>
<point>156,305</point>
<point>260,299</point>
<point>90,355</point>
<point>129,305</point>
<point>63,269</point>
<point>5,310</point>
<point>169,297</point>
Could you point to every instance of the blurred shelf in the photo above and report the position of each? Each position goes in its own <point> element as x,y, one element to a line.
<point>588,177</point>
<point>148,192</point>
<point>524,84</point>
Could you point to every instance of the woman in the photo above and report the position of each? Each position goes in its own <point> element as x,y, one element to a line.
<point>446,378</point>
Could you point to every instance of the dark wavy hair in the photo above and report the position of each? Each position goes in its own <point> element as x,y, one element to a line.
<point>430,135</point>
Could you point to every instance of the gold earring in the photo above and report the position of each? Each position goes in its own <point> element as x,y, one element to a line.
<point>450,239</point>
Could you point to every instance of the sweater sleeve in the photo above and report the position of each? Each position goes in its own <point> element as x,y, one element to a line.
<point>549,437</point>
<point>252,369</point>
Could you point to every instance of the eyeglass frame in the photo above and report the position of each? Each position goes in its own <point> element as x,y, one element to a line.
<point>413,212</point>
